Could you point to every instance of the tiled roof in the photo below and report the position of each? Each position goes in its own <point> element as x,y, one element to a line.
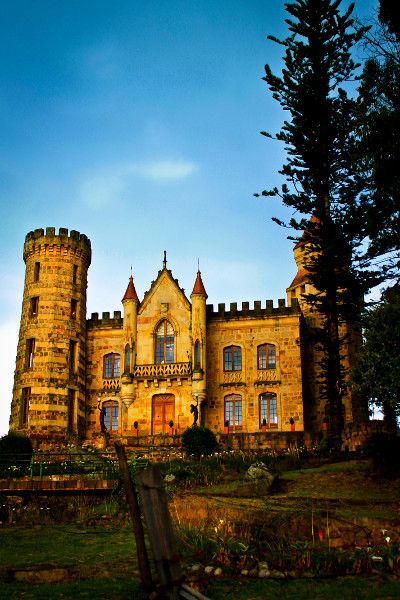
<point>302,277</point>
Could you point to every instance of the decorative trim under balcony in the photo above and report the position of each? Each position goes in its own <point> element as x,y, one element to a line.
<point>111,384</point>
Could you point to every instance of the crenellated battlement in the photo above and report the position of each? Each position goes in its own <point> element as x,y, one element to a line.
<point>106,321</point>
<point>257,311</point>
<point>39,242</point>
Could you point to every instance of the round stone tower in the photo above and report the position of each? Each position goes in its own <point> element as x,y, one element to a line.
<point>49,382</point>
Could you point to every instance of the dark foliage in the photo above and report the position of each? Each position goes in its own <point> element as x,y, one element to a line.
<point>199,441</point>
<point>378,150</point>
<point>384,450</point>
<point>377,372</point>
<point>15,444</point>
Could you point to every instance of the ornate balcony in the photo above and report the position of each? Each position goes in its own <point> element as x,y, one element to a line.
<point>164,370</point>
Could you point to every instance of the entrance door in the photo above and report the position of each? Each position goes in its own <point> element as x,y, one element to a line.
<point>163,412</point>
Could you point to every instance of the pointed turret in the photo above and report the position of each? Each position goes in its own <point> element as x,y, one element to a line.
<point>130,293</point>
<point>198,287</point>
<point>130,302</point>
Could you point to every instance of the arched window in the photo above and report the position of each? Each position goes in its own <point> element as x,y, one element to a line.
<point>164,343</point>
<point>267,409</point>
<point>111,415</point>
<point>232,358</point>
<point>127,357</point>
<point>266,356</point>
<point>233,410</point>
<point>197,355</point>
<point>111,366</point>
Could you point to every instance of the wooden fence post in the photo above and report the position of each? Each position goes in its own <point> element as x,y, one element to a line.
<point>159,528</point>
<point>132,501</point>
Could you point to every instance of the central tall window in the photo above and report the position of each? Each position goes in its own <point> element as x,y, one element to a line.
<point>164,343</point>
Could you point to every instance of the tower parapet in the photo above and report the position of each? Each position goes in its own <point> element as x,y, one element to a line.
<point>49,383</point>
<point>258,311</point>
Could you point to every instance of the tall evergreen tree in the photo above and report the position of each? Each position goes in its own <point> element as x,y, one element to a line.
<point>319,141</point>
<point>378,130</point>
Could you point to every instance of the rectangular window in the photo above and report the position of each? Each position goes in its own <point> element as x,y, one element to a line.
<point>266,356</point>
<point>112,364</point>
<point>71,408</point>
<point>74,273</point>
<point>233,358</point>
<point>30,353</point>
<point>36,272</point>
<point>72,356</point>
<point>74,308</point>
<point>111,416</point>
<point>233,411</point>
<point>268,410</point>
<point>26,401</point>
<point>34,307</point>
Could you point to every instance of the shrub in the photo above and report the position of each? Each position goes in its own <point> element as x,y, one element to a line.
<point>199,441</point>
<point>383,449</point>
<point>15,454</point>
<point>13,443</point>
<point>326,446</point>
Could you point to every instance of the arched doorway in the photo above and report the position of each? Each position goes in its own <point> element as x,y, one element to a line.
<point>163,412</point>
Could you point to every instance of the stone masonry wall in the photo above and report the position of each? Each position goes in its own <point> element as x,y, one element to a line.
<point>281,328</point>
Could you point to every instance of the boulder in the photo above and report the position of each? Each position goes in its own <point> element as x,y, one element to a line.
<point>258,479</point>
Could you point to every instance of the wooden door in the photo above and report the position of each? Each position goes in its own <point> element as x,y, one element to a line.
<point>163,412</point>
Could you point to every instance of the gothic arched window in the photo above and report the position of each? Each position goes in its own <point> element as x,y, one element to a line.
<point>127,357</point>
<point>197,355</point>
<point>164,343</point>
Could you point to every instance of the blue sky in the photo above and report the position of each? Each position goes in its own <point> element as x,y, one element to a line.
<point>137,123</point>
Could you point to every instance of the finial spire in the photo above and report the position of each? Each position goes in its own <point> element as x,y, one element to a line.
<point>165,260</point>
<point>198,264</point>
<point>131,270</point>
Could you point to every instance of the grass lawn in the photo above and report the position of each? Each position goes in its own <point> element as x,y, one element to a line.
<point>101,562</point>
<point>343,588</point>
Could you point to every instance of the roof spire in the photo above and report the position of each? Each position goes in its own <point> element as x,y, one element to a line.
<point>165,260</point>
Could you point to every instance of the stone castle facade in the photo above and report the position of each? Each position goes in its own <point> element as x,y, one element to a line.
<point>167,360</point>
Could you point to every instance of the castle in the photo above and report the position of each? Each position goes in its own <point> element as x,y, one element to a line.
<point>167,361</point>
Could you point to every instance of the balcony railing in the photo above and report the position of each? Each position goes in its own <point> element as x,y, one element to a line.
<point>111,384</point>
<point>164,370</point>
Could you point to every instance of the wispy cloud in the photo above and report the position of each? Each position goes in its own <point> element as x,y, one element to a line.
<point>166,169</point>
<point>98,189</point>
